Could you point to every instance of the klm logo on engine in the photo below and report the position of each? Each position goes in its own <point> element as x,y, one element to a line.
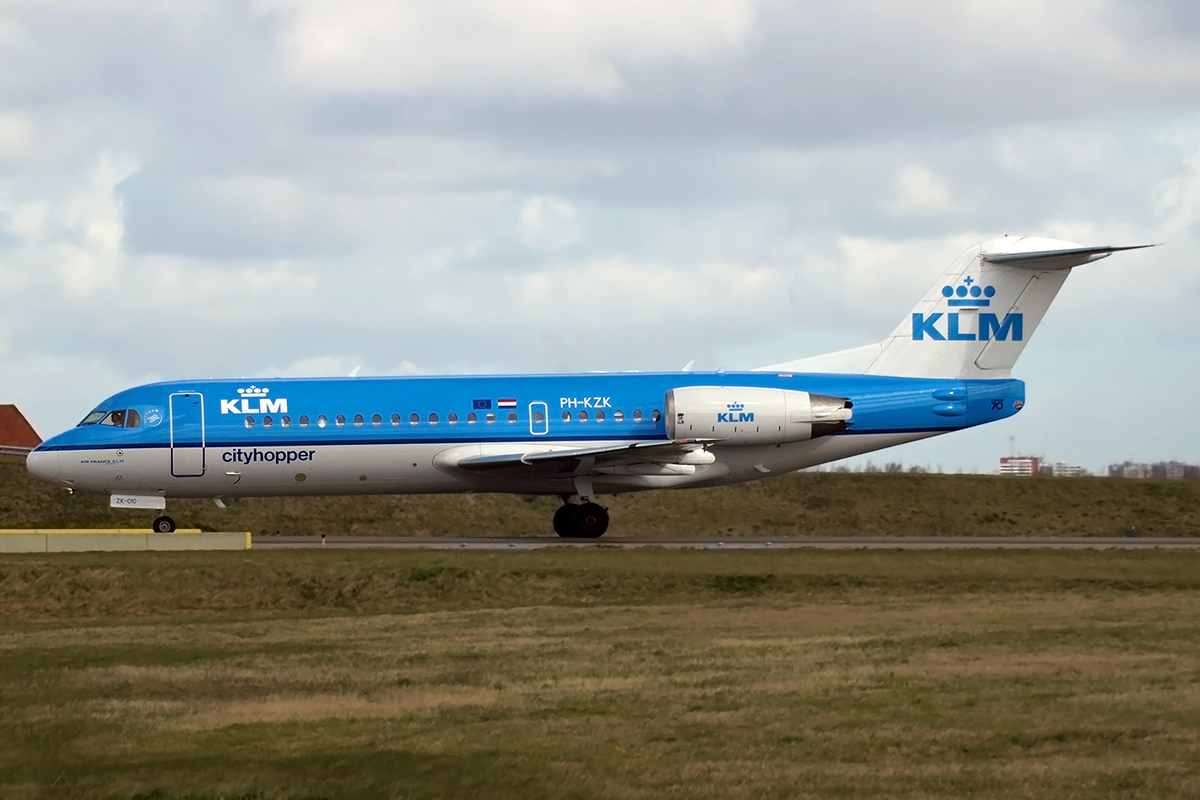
<point>254,400</point>
<point>736,413</point>
<point>953,327</point>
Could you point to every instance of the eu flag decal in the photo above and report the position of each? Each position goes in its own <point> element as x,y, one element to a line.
<point>481,404</point>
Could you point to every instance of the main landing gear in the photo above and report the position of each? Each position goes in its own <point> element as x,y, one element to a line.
<point>586,520</point>
<point>164,524</point>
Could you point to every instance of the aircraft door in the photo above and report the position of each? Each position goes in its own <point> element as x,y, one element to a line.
<point>187,434</point>
<point>539,418</point>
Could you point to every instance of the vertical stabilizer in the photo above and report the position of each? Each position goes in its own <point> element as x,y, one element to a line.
<point>975,321</point>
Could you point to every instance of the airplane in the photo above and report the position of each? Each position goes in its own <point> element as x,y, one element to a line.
<point>947,366</point>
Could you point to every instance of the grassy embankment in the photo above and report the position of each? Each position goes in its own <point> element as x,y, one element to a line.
<point>828,504</point>
<point>600,673</point>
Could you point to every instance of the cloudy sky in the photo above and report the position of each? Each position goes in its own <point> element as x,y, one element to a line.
<point>293,187</point>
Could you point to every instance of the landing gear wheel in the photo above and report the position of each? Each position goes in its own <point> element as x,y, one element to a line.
<point>593,520</point>
<point>164,525</point>
<point>566,520</point>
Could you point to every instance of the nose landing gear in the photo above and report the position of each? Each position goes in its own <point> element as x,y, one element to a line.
<point>586,520</point>
<point>163,524</point>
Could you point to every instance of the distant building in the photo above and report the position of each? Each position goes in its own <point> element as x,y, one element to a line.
<point>1022,466</point>
<point>1159,470</point>
<point>1136,471</point>
<point>15,430</point>
<point>1064,470</point>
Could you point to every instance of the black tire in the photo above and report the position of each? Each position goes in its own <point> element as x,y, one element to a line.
<point>164,525</point>
<point>593,520</point>
<point>566,520</point>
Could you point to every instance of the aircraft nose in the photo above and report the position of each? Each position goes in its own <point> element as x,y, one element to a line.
<point>44,464</point>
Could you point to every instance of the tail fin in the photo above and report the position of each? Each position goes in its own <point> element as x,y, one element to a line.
<point>976,319</point>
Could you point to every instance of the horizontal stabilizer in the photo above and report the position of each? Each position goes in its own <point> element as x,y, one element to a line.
<point>1056,259</point>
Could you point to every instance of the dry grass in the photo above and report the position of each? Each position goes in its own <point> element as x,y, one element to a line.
<point>994,675</point>
<point>787,505</point>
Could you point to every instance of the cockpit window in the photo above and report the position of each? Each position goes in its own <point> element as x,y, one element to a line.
<point>132,418</point>
<point>93,418</point>
<point>115,418</point>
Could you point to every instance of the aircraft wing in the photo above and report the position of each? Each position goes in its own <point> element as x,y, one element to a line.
<point>582,461</point>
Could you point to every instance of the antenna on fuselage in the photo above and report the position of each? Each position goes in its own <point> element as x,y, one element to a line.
<point>354,372</point>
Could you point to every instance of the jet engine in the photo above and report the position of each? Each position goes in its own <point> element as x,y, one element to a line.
<point>741,415</point>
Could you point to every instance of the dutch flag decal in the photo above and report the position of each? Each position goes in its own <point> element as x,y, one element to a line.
<point>509,402</point>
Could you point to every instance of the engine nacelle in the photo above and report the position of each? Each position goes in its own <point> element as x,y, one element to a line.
<point>740,415</point>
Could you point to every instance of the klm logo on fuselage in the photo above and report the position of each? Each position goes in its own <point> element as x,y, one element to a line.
<point>735,414</point>
<point>254,400</point>
<point>953,327</point>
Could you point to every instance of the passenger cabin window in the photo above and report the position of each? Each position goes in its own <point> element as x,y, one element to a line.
<point>433,419</point>
<point>655,415</point>
<point>599,416</point>
<point>539,417</point>
<point>132,418</point>
<point>491,418</point>
<point>358,420</point>
<point>414,418</point>
<point>566,416</point>
<point>637,415</point>
<point>452,418</point>
<point>583,416</point>
<point>115,419</point>
<point>395,419</point>
<point>618,416</point>
<point>341,420</point>
<point>268,422</point>
<point>376,420</point>
<point>471,418</point>
<point>92,418</point>
<point>249,422</point>
<point>512,418</point>
<point>285,421</point>
<point>303,420</point>
<point>321,421</point>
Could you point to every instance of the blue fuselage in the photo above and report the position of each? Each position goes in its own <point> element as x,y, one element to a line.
<point>310,436</point>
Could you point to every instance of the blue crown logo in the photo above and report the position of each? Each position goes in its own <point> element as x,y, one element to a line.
<point>736,406</point>
<point>253,391</point>
<point>969,294</point>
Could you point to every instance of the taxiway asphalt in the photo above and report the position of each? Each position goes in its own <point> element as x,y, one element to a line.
<point>739,543</point>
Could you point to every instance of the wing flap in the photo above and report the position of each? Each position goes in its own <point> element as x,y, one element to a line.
<point>582,461</point>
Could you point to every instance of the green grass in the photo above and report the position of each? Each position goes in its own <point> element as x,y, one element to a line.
<point>600,673</point>
<point>830,504</point>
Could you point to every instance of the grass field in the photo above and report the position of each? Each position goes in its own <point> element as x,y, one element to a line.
<point>829,504</point>
<point>600,673</point>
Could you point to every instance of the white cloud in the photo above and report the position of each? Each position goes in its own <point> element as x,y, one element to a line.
<point>1179,196</point>
<point>25,221</point>
<point>549,222</point>
<point>919,191</point>
<point>18,137</point>
<point>520,48</point>
<point>324,366</point>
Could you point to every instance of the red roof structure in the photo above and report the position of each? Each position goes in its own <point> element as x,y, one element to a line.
<point>15,430</point>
